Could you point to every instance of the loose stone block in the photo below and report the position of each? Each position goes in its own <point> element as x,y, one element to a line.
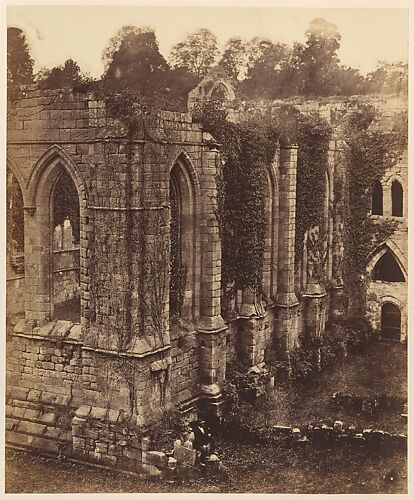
<point>185,456</point>
<point>157,458</point>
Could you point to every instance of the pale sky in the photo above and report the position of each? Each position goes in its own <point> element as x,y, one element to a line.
<point>57,33</point>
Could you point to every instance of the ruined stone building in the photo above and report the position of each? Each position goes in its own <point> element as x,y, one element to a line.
<point>92,221</point>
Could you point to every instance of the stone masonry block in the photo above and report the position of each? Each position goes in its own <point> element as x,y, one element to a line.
<point>157,458</point>
<point>31,428</point>
<point>19,393</point>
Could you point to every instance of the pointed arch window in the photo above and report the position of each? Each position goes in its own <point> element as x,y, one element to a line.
<point>182,226</point>
<point>387,269</point>
<point>377,202</point>
<point>397,195</point>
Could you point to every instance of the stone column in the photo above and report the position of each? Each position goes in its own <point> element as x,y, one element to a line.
<point>211,328</point>
<point>337,301</point>
<point>38,305</point>
<point>286,301</point>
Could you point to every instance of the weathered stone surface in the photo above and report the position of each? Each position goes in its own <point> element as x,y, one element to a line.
<point>157,458</point>
<point>83,411</point>
<point>185,456</point>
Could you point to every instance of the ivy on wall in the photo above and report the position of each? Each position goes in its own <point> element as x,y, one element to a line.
<point>370,151</point>
<point>246,152</point>
<point>248,148</point>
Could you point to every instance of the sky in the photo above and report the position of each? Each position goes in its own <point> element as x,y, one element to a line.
<point>57,33</point>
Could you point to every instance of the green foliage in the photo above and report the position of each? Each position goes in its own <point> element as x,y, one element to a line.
<point>389,78</point>
<point>303,362</point>
<point>313,135</point>
<point>262,74</point>
<point>314,355</point>
<point>137,72</point>
<point>243,384</point>
<point>369,153</point>
<point>248,149</point>
<point>319,58</point>
<point>234,57</point>
<point>137,63</point>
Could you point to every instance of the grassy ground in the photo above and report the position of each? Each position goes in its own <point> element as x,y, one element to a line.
<point>382,370</point>
<point>264,468</point>
<point>251,468</point>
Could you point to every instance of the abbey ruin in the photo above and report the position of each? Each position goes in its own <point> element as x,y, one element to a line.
<point>95,330</point>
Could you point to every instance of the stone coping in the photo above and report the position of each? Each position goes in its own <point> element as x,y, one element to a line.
<point>70,333</point>
<point>57,331</point>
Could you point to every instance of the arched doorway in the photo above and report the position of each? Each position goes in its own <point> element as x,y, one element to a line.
<point>390,322</point>
<point>65,236</point>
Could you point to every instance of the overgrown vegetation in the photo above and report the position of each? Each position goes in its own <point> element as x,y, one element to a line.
<point>248,150</point>
<point>260,68</point>
<point>370,151</point>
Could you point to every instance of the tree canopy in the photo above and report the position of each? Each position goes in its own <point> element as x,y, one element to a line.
<point>134,61</point>
<point>67,75</point>
<point>19,62</point>
<point>259,68</point>
<point>197,52</point>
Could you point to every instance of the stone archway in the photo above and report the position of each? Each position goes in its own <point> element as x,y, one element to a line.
<point>42,259</point>
<point>390,322</point>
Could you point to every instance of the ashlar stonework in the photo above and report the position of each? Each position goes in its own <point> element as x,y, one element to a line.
<point>90,336</point>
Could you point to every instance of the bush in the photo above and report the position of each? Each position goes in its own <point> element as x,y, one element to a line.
<point>303,362</point>
<point>170,427</point>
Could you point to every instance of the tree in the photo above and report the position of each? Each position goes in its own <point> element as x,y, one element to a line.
<point>197,52</point>
<point>19,62</point>
<point>68,75</point>
<point>350,81</point>
<point>319,58</point>
<point>265,62</point>
<point>135,61</point>
<point>234,59</point>
<point>389,78</point>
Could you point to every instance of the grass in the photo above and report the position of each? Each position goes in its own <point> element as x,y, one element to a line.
<point>382,370</point>
<point>251,469</point>
<point>267,468</point>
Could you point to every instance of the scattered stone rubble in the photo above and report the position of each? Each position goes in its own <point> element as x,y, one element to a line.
<point>339,434</point>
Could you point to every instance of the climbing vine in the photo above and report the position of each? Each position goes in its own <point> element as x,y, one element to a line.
<point>369,153</point>
<point>248,148</point>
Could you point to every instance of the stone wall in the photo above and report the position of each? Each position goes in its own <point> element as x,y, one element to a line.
<point>123,354</point>
<point>381,292</point>
<point>127,354</point>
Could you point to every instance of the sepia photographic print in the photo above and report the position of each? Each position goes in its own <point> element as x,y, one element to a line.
<point>206,249</point>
